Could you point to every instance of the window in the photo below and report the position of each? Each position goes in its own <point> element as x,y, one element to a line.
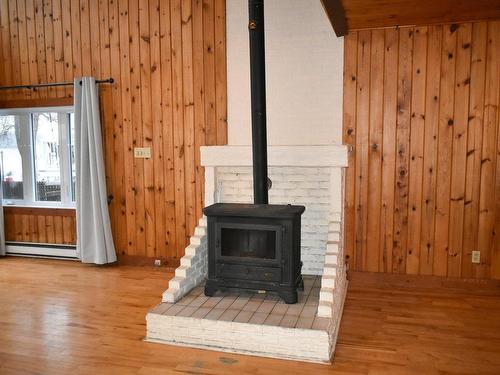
<point>37,156</point>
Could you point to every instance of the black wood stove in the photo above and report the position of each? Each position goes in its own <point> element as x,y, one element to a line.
<point>255,246</point>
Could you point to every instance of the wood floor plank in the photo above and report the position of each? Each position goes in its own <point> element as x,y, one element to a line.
<point>81,319</point>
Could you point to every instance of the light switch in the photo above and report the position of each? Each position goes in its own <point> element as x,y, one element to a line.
<point>142,152</point>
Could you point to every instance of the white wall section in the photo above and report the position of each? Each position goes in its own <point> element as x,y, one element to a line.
<point>304,68</point>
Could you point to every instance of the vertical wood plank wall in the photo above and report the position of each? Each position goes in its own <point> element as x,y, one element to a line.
<point>167,58</point>
<point>40,225</point>
<point>421,114</point>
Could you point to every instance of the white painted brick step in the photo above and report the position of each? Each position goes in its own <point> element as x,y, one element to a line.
<point>330,270</point>
<point>175,283</point>
<point>330,258</point>
<point>244,338</point>
<point>184,271</point>
<point>328,281</point>
<point>325,309</point>
<point>326,295</point>
<point>187,260</point>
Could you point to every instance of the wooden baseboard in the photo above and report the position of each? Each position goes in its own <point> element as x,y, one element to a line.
<point>391,280</point>
<point>135,260</point>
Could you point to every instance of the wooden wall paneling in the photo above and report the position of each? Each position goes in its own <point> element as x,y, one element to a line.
<point>416,153</point>
<point>474,142</point>
<point>75,38</point>
<point>157,215</point>
<point>85,35</point>
<point>487,204</point>
<point>349,138</point>
<point>42,232</point>
<point>18,225</point>
<point>2,59</point>
<point>95,40</point>
<point>4,43</point>
<point>125,39</point>
<point>439,155</point>
<point>177,122</point>
<point>209,70</point>
<point>389,150</point>
<point>48,36</point>
<point>68,46</point>
<point>103,53</point>
<point>220,71</point>
<point>147,125</point>
<point>58,230</point>
<point>199,102</point>
<point>32,47</point>
<point>138,125</point>
<point>495,255</point>
<point>118,208</point>
<point>402,149</point>
<point>458,170</point>
<point>40,46</point>
<point>9,226</point>
<point>59,47</point>
<point>49,229</point>
<point>25,228</point>
<point>31,225</point>
<point>188,105</point>
<point>23,44</point>
<point>14,45</point>
<point>33,228</point>
<point>445,137</point>
<point>362,139</point>
<point>431,124</point>
<point>167,121</point>
<point>67,226</point>
<point>375,146</point>
<point>168,62</point>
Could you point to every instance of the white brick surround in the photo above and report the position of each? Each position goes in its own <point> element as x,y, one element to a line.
<point>307,175</point>
<point>253,339</point>
<point>295,185</point>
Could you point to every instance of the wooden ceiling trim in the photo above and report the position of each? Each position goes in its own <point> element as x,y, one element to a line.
<point>336,13</point>
<point>368,14</point>
<point>352,15</point>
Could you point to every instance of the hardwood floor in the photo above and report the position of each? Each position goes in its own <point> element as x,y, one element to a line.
<point>62,317</point>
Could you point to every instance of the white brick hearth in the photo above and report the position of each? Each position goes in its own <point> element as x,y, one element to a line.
<point>307,175</point>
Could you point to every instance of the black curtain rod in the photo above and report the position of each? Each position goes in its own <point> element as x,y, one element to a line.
<point>55,84</point>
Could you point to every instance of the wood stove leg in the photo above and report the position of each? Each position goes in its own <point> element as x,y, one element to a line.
<point>289,296</point>
<point>210,290</point>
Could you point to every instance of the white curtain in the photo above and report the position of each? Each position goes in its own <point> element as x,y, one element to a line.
<point>2,229</point>
<point>94,239</point>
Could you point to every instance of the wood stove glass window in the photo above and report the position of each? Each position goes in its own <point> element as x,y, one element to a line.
<point>248,243</point>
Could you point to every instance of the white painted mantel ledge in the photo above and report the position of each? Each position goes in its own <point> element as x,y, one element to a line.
<point>278,156</point>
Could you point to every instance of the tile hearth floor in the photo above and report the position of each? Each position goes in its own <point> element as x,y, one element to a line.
<point>251,307</point>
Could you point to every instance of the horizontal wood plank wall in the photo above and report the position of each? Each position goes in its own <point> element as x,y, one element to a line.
<point>40,225</point>
<point>423,184</point>
<point>167,58</point>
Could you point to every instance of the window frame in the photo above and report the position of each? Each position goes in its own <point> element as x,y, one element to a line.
<point>28,158</point>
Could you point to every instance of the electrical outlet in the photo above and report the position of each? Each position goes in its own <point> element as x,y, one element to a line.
<point>157,262</point>
<point>142,152</point>
<point>476,257</point>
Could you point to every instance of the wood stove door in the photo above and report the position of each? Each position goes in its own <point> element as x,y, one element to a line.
<point>249,243</point>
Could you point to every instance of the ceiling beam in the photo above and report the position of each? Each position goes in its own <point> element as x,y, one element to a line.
<point>336,13</point>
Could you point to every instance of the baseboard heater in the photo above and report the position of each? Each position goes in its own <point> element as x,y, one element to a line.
<point>41,250</point>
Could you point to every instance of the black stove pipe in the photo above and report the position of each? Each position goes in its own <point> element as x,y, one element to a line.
<point>258,96</point>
